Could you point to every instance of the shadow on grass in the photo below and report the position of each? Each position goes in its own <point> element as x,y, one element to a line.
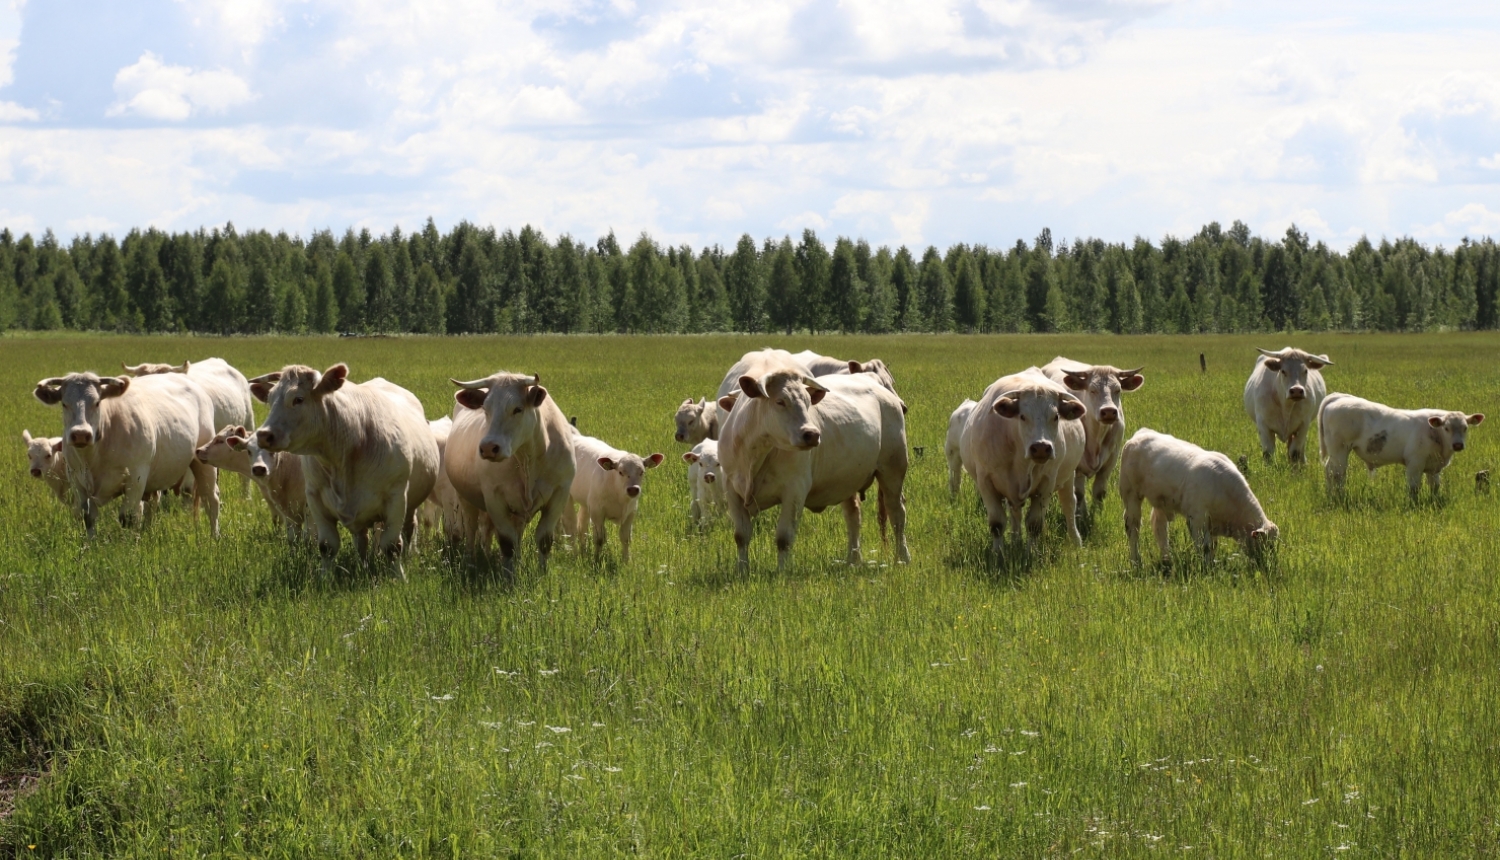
<point>297,568</point>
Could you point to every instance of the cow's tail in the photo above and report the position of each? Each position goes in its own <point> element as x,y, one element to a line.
<point>1323,432</point>
<point>883,513</point>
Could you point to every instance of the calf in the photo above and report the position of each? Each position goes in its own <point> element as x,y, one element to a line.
<point>1024,440</point>
<point>697,421</point>
<point>277,476</point>
<point>798,442</point>
<point>1422,440</point>
<point>1101,388</point>
<point>510,455</point>
<point>368,455</point>
<point>607,488</point>
<point>132,438</point>
<point>703,481</point>
<point>47,464</point>
<point>1282,396</point>
<point>953,445</point>
<point>1178,477</point>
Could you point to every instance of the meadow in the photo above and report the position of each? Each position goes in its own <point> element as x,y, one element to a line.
<point>166,694</point>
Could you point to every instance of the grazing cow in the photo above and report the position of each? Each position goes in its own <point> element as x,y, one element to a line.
<point>823,365</point>
<point>953,445</point>
<point>368,456</point>
<point>278,476</point>
<point>226,387</point>
<point>1422,440</point>
<point>1178,477</point>
<point>1282,397</point>
<point>510,455</point>
<point>697,421</point>
<point>703,481</point>
<point>47,464</point>
<point>131,438</point>
<point>607,488</point>
<point>1101,388</point>
<point>798,442</point>
<point>1024,441</point>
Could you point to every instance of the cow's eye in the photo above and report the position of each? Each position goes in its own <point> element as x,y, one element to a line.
<point>296,401</point>
<point>781,403</point>
<point>518,410</point>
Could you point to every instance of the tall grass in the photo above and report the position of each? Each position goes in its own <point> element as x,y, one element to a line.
<point>187,696</point>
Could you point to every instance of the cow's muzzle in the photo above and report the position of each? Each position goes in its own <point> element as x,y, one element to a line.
<point>81,438</point>
<point>36,473</point>
<point>709,478</point>
<point>1109,415</point>
<point>1040,451</point>
<point>492,451</point>
<point>681,437</point>
<point>810,438</point>
<point>265,439</point>
<point>259,470</point>
<point>1458,446</point>
<point>633,491</point>
<point>1297,392</point>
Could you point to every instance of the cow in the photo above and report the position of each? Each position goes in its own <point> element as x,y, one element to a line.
<point>434,516</point>
<point>697,421</point>
<point>953,445</point>
<point>1024,440</point>
<point>703,481</point>
<point>730,387</point>
<point>1178,477</point>
<point>368,455</point>
<point>1282,396</point>
<point>278,476</point>
<point>510,455</point>
<point>132,438</point>
<point>607,488</point>
<point>1101,388</point>
<point>226,387</point>
<point>46,460</point>
<point>798,442</point>
<point>1422,440</point>
<point>823,365</point>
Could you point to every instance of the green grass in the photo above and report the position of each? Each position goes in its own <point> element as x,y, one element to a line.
<point>192,697</point>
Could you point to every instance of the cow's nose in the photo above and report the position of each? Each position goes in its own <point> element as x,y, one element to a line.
<point>1458,446</point>
<point>680,437</point>
<point>707,479</point>
<point>811,438</point>
<point>259,471</point>
<point>81,438</point>
<point>633,491</point>
<point>265,439</point>
<point>1041,450</point>
<point>489,450</point>
<point>36,473</point>
<point>1297,392</point>
<point>1109,415</point>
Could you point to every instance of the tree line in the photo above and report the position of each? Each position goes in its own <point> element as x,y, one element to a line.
<point>477,280</point>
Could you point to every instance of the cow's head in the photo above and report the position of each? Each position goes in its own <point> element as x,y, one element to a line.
<point>1262,540</point>
<point>261,460</point>
<point>1101,389</point>
<point>1038,411</point>
<point>694,421</point>
<point>41,452</point>
<point>510,402</point>
<point>707,459</point>
<point>298,397</point>
<point>149,369</point>
<point>629,469</point>
<point>876,368</point>
<point>81,395</point>
<point>221,452</point>
<point>780,405</point>
<point>1451,429</point>
<point>1291,367</point>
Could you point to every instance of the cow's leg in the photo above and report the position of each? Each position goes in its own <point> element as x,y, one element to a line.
<point>626,526</point>
<point>1101,477</point>
<point>1160,519</point>
<point>1017,531</point>
<point>739,519</point>
<point>580,522</point>
<point>469,517</point>
<point>955,474</point>
<point>786,530</point>
<point>1296,444</point>
<point>1267,440</point>
<point>206,488</point>
<point>1036,512</point>
<point>1080,489</point>
<point>596,521</point>
<point>327,526</point>
<point>546,527</point>
<point>851,525</point>
<point>1414,480</point>
<point>393,539</point>
<point>892,488</point>
<point>695,510</point>
<point>1336,470</point>
<point>1202,537</point>
<point>133,500</point>
<point>1133,525</point>
<point>995,509</point>
<point>1070,500</point>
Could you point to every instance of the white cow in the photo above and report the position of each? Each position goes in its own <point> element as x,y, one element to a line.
<point>1024,441</point>
<point>1101,388</point>
<point>798,442</point>
<point>226,387</point>
<point>703,481</point>
<point>1178,477</point>
<point>440,512</point>
<point>825,365</point>
<point>697,421</point>
<point>510,455</point>
<point>607,489</point>
<point>1282,396</point>
<point>1422,440</point>
<point>730,386</point>
<point>46,460</point>
<point>131,438</point>
<point>277,476</point>
<point>368,455</point>
<point>953,445</point>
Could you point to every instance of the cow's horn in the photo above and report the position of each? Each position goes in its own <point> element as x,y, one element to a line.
<point>54,382</point>
<point>269,378</point>
<point>1080,372</point>
<point>128,369</point>
<point>813,384</point>
<point>1129,373</point>
<point>1267,352</point>
<point>478,383</point>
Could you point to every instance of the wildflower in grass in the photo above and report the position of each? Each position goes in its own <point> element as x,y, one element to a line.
<point>1018,785</point>
<point>611,770</point>
<point>981,809</point>
<point>1310,801</point>
<point>549,671</point>
<point>446,697</point>
<point>559,730</point>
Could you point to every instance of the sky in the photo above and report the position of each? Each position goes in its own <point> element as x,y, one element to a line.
<point>911,123</point>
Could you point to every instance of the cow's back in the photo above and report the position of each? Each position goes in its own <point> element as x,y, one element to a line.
<point>227,389</point>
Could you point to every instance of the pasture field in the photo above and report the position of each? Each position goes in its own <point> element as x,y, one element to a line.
<point>182,696</point>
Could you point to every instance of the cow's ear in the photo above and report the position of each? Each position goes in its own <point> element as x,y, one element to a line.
<point>752,387</point>
<point>471,398</point>
<point>1076,381</point>
<point>1132,382</point>
<point>1070,409</point>
<point>817,395</point>
<point>333,380</point>
<point>26,436</point>
<point>1476,418</point>
<point>1008,407</point>
<point>690,457</point>
<point>726,402</point>
<point>1435,421</point>
<point>686,403</point>
<point>654,460</point>
<point>113,386</point>
<point>855,367</point>
<point>261,390</point>
<point>1273,364</point>
<point>57,447</point>
<point>237,443</point>
<point>535,395</point>
<point>186,366</point>
<point>607,464</point>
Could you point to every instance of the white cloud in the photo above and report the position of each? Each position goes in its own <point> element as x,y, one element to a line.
<point>12,112</point>
<point>154,90</point>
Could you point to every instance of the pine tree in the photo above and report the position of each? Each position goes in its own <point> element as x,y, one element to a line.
<point>323,316</point>
<point>935,293</point>
<point>968,293</point>
<point>260,297</point>
<point>845,290</point>
<point>291,317</point>
<point>714,301</point>
<point>880,312</point>
<point>812,281</point>
<point>380,291</point>
<point>429,316</point>
<point>348,293</point>
<point>224,298</point>
<point>784,289</point>
<point>108,301</point>
<point>744,284</point>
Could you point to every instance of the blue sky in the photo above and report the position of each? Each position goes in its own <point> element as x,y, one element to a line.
<point>915,123</point>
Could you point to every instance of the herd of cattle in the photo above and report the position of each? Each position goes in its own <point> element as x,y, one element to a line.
<point>794,431</point>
